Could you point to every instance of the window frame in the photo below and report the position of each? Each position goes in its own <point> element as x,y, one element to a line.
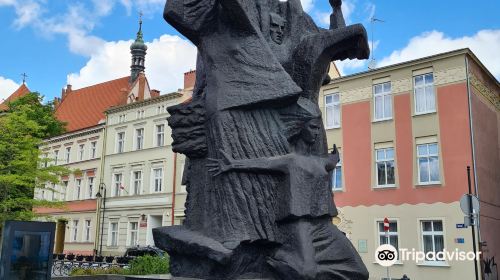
<point>112,233</point>
<point>391,233</point>
<point>130,241</point>
<point>430,182</point>
<point>334,177</point>
<point>154,178</point>
<point>426,111</point>
<point>139,139</point>
<point>432,233</point>
<point>116,192</point>
<point>81,152</point>
<point>87,232</point>
<point>333,105</point>
<point>133,181</point>
<point>383,95</point>
<point>74,230</point>
<point>67,155</point>
<point>157,135</point>
<point>78,188</point>
<point>56,156</point>
<point>90,187</point>
<point>93,150</point>
<point>120,142</point>
<point>385,160</point>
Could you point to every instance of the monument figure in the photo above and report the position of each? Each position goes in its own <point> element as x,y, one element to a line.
<point>254,121</point>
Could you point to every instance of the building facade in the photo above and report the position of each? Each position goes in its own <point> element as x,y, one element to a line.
<point>407,133</point>
<point>142,175</point>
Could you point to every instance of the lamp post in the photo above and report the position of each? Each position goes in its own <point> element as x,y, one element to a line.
<point>102,187</point>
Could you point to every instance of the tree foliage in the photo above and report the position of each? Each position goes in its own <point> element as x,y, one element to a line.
<point>22,169</point>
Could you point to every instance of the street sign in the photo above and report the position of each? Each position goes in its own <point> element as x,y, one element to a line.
<point>461,226</point>
<point>386,224</point>
<point>465,204</point>
<point>460,240</point>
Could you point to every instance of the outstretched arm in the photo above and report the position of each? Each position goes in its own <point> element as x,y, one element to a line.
<point>336,18</point>
<point>259,165</point>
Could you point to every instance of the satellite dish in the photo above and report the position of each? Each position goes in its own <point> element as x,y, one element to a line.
<point>372,64</point>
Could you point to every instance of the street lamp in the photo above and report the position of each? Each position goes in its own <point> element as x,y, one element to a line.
<point>102,187</point>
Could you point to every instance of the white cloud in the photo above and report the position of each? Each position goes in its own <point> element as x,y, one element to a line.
<point>7,87</point>
<point>307,5</point>
<point>167,59</point>
<point>485,44</point>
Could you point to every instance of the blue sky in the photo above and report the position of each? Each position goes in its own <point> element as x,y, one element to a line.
<point>84,42</point>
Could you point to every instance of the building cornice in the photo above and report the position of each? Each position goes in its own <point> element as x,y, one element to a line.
<point>74,134</point>
<point>146,102</point>
<point>414,62</point>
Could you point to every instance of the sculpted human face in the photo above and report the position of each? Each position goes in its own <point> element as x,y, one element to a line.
<point>311,131</point>
<point>277,28</point>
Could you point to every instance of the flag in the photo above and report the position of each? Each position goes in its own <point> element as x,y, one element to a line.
<point>122,187</point>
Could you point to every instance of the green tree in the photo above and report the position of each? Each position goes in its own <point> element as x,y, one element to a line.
<point>22,169</point>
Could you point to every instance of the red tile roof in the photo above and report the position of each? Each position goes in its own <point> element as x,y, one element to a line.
<point>21,91</point>
<point>85,107</point>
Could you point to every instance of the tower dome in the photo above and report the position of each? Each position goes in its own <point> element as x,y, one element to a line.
<point>138,51</point>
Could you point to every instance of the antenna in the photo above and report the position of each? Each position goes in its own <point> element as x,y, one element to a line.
<point>373,64</point>
<point>24,77</point>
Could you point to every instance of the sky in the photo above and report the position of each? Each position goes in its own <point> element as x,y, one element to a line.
<point>84,42</point>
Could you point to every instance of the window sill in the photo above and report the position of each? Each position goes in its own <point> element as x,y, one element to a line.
<point>424,113</point>
<point>338,190</point>
<point>430,184</point>
<point>332,127</point>
<point>434,264</point>
<point>384,187</point>
<point>382,120</point>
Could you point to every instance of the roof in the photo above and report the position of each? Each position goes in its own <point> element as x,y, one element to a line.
<point>82,108</point>
<point>464,51</point>
<point>21,91</point>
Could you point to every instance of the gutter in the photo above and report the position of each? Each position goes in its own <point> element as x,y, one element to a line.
<point>174,182</point>
<point>471,128</point>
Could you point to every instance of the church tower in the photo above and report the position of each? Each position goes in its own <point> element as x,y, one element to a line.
<point>138,51</point>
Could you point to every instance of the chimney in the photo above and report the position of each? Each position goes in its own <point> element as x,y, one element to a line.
<point>155,93</point>
<point>189,79</point>
<point>66,91</point>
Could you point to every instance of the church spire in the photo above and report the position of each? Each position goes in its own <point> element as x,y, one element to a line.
<point>138,51</point>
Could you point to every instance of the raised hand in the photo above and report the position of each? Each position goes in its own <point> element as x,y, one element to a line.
<point>219,166</point>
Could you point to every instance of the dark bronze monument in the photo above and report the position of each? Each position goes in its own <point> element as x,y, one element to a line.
<point>257,173</point>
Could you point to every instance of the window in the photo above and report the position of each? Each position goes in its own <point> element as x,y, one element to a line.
<point>428,163</point>
<point>432,236</point>
<point>157,179</point>
<point>382,101</point>
<point>81,151</point>
<point>424,94</point>
<point>137,182</point>
<point>384,167</point>
<point>120,142</point>
<point>90,193</point>
<point>68,154</point>
<point>65,183</point>
<point>133,236</point>
<point>78,188</point>
<point>332,109</point>
<point>121,118</point>
<point>56,155</point>
<point>160,135</point>
<point>118,184</point>
<point>337,177</point>
<point>74,236</point>
<point>392,234</point>
<point>140,114</point>
<point>87,230</point>
<point>45,160</point>
<point>139,138</point>
<point>113,234</point>
<point>93,149</point>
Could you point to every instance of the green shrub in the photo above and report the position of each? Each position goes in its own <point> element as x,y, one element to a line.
<point>148,265</point>
<point>97,271</point>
